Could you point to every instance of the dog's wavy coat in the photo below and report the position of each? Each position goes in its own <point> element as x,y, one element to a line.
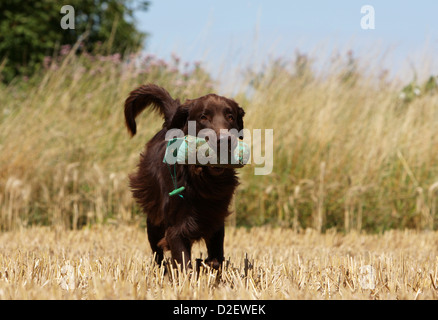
<point>176,222</point>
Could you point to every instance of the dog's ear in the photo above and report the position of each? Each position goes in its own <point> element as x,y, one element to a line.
<point>239,121</point>
<point>180,118</point>
<point>240,114</point>
<point>148,95</point>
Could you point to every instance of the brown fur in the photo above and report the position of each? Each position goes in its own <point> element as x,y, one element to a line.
<point>174,223</point>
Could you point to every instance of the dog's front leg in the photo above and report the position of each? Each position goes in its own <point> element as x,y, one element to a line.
<point>215,248</point>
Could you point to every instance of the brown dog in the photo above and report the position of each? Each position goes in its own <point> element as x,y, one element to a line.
<point>176,222</point>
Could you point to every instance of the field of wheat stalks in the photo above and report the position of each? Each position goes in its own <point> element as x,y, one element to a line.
<point>110,262</point>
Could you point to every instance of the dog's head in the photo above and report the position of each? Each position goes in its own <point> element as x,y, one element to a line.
<point>210,112</point>
<point>218,119</point>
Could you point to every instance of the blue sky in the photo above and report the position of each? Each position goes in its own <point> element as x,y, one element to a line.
<point>247,31</point>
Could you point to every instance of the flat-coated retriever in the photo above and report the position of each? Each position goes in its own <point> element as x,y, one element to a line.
<point>199,213</point>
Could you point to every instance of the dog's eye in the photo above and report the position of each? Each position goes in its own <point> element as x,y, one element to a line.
<point>230,117</point>
<point>203,117</point>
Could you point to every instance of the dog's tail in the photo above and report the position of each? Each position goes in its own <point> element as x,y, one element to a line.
<point>147,95</point>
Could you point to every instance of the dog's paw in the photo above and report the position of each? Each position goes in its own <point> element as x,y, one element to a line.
<point>214,263</point>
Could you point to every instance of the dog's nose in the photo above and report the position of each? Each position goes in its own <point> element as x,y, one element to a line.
<point>226,144</point>
<point>228,140</point>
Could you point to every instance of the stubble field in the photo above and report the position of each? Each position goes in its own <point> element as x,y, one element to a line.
<point>115,262</point>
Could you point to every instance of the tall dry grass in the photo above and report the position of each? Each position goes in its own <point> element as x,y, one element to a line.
<point>64,150</point>
<point>352,150</point>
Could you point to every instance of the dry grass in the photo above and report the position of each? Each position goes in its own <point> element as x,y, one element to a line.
<point>108,262</point>
<point>349,153</point>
